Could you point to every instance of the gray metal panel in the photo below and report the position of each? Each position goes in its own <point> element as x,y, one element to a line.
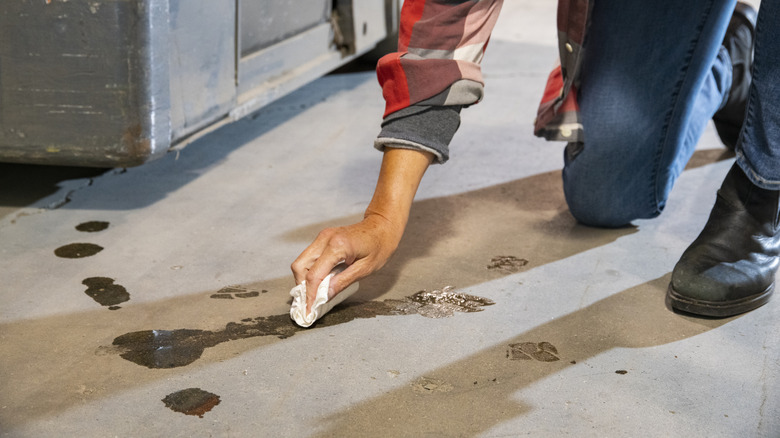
<point>82,83</point>
<point>264,23</point>
<point>117,82</point>
<point>283,58</point>
<point>369,23</point>
<point>202,57</point>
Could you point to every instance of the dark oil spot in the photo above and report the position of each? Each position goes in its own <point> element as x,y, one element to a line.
<point>165,348</point>
<point>191,401</point>
<point>621,372</point>
<point>77,250</point>
<point>543,351</point>
<point>221,296</point>
<point>507,263</point>
<point>92,226</point>
<point>105,292</point>
<point>231,292</point>
<point>180,347</point>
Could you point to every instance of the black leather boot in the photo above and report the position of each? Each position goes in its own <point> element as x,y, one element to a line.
<point>739,41</point>
<point>730,268</point>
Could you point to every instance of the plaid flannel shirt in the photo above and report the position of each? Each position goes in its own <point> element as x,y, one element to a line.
<point>436,71</point>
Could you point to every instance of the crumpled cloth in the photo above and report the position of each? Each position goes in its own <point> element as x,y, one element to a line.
<point>321,304</point>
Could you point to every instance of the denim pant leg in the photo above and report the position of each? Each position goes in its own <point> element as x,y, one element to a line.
<point>653,75</point>
<point>758,149</point>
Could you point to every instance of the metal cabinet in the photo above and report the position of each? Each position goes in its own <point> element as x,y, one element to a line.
<point>116,83</point>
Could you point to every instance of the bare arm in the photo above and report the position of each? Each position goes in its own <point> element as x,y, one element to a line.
<point>367,245</point>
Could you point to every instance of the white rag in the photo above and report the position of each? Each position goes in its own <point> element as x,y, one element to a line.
<point>321,304</point>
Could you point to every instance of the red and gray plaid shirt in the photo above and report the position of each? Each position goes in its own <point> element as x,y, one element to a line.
<point>440,48</point>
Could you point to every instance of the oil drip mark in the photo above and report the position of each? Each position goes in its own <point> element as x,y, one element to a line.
<point>105,292</point>
<point>92,226</point>
<point>77,250</point>
<point>81,250</point>
<point>506,263</point>
<point>191,401</point>
<point>543,351</point>
<point>180,347</point>
<point>231,292</point>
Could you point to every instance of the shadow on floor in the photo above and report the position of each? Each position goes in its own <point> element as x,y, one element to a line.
<point>24,184</point>
<point>635,318</point>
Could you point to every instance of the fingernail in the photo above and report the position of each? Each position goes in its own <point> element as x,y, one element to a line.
<point>331,292</point>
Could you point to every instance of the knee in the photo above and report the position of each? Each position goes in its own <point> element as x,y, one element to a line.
<point>595,211</point>
<point>608,199</point>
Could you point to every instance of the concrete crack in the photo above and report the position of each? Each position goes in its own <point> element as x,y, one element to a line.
<point>68,196</point>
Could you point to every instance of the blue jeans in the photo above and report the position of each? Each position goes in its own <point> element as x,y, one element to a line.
<point>653,75</point>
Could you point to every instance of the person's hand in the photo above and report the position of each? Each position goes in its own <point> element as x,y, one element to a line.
<point>363,247</point>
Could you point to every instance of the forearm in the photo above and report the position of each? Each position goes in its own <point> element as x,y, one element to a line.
<point>399,177</point>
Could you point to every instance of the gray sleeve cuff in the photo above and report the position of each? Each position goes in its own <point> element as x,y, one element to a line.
<point>425,128</point>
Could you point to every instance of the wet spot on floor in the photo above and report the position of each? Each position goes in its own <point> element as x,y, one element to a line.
<point>430,385</point>
<point>164,348</point>
<point>542,351</point>
<point>105,292</point>
<point>77,250</point>
<point>440,303</point>
<point>506,263</point>
<point>180,347</point>
<point>191,401</point>
<point>92,226</point>
<point>231,292</point>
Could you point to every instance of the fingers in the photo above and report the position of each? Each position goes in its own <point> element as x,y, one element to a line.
<point>318,271</point>
<point>300,267</point>
<point>328,250</point>
<point>344,279</point>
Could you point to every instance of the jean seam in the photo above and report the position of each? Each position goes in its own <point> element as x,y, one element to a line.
<point>742,159</point>
<point>655,204</point>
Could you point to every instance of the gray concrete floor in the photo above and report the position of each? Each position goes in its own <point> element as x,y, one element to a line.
<point>605,357</point>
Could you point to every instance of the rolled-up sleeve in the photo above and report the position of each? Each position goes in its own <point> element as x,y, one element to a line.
<point>435,72</point>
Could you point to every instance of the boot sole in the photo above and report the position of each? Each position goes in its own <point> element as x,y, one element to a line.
<point>718,309</point>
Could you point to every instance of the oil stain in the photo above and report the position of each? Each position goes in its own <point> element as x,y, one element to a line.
<point>231,292</point>
<point>429,385</point>
<point>77,250</point>
<point>180,347</point>
<point>542,351</point>
<point>191,401</point>
<point>92,226</point>
<point>506,263</point>
<point>105,292</point>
